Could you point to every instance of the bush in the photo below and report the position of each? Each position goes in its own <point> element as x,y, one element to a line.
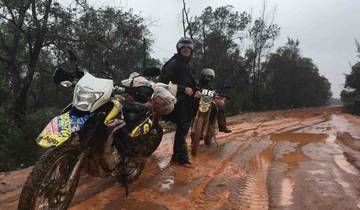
<point>353,108</point>
<point>18,148</point>
<point>351,94</point>
<point>351,100</point>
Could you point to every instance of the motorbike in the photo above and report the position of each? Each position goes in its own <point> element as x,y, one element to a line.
<point>107,130</point>
<point>203,127</point>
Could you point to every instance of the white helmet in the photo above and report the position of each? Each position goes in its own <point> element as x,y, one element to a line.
<point>184,42</point>
<point>207,74</point>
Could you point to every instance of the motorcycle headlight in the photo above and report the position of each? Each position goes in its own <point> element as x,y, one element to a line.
<point>206,99</point>
<point>84,100</point>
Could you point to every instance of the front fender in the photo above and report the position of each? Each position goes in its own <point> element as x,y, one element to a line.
<point>61,128</point>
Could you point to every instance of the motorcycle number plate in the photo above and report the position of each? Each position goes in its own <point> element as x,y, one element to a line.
<point>60,129</point>
<point>208,93</point>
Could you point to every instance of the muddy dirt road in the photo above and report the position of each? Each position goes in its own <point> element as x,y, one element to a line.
<point>297,159</point>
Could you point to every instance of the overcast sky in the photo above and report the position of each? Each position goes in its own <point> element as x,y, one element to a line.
<point>326,28</point>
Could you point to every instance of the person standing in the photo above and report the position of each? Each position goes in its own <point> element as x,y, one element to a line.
<point>178,70</point>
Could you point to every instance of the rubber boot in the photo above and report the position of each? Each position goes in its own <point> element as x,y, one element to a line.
<point>180,154</point>
<point>222,122</point>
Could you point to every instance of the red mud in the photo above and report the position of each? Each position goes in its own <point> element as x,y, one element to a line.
<point>292,159</point>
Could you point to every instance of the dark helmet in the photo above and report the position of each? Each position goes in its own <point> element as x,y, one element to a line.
<point>207,74</point>
<point>184,42</point>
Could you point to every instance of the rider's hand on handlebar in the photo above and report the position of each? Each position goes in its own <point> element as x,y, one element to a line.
<point>189,91</point>
<point>197,94</point>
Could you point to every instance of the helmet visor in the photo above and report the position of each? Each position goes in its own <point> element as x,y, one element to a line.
<point>209,77</point>
<point>187,44</point>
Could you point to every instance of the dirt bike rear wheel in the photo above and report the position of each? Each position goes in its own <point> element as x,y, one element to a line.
<point>44,188</point>
<point>196,132</point>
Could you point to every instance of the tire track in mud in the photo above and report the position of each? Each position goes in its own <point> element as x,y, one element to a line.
<point>251,192</point>
<point>244,179</point>
<point>245,185</point>
<point>223,139</point>
<point>140,184</point>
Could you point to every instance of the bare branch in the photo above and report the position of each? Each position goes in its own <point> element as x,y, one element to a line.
<point>62,38</point>
<point>16,37</point>
<point>183,17</point>
<point>186,21</point>
<point>34,13</point>
<point>12,21</point>
<point>83,4</point>
<point>9,9</point>
<point>189,23</point>
<point>46,16</point>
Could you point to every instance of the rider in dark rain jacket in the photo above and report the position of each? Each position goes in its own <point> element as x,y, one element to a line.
<point>178,70</point>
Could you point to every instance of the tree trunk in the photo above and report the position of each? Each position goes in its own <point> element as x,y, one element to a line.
<point>20,103</point>
<point>254,80</point>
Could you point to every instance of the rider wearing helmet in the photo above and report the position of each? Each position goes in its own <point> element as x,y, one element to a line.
<point>179,71</point>
<point>207,76</point>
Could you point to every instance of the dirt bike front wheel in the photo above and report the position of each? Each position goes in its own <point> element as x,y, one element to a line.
<point>45,187</point>
<point>210,134</point>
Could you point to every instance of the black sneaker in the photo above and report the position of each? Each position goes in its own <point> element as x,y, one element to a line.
<point>174,159</point>
<point>184,162</point>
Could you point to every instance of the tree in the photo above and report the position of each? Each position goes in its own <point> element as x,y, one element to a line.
<point>294,81</point>
<point>35,36</point>
<point>262,34</point>
<point>217,34</point>
<point>118,36</point>
<point>27,26</point>
<point>351,94</point>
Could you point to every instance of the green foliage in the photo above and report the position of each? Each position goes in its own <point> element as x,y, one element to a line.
<point>17,146</point>
<point>118,36</point>
<point>353,79</point>
<point>351,100</point>
<point>351,94</point>
<point>286,80</point>
<point>262,36</point>
<point>294,80</point>
<point>4,86</point>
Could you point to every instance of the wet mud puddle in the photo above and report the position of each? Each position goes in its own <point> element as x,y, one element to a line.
<point>291,154</point>
<point>244,183</point>
<point>284,148</point>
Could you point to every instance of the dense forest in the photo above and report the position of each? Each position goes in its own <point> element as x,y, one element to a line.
<point>36,36</point>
